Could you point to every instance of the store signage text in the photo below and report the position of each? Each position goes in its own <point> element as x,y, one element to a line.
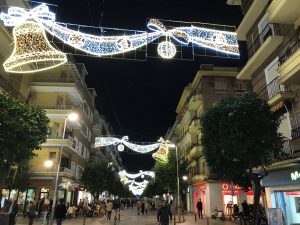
<point>295,175</point>
<point>226,187</point>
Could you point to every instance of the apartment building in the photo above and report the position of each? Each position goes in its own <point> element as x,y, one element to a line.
<point>60,92</point>
<point>270,29</point>
<point>210,85</point>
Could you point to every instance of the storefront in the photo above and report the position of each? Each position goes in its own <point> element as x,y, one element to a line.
<point>283,193</point>
<point>217,194</point>
<point>21,196</point>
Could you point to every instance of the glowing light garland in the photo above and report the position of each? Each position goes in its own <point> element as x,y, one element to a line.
<point>105,141</point>
<point>222,41</point>
<point>123,174</point>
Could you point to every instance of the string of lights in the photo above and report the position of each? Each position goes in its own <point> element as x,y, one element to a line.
<point>102,45</point>
<point>105,141</point>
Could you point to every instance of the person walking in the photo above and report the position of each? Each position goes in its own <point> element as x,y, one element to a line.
<point>109,207</point>
<point>60,212</point>
<point>163,214</point>
<point>138,206</point>
<point>199,208</point>
<point>13,210</point>
<point>32,211</point>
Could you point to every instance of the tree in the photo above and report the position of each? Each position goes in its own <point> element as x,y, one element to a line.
<point>238,135</point>
<point>166,177</point>
<point>98,176</point>
<point>23,128</point>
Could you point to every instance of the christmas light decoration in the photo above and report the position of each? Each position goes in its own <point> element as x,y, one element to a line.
<point>162,153</point>
<point>222,41</point>
<point>32,51</point>
<point>105,141</point>
<point>123,174</point>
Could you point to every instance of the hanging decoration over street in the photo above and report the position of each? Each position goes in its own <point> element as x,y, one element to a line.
<point>30,25</point>
<point>124,175</point>
<point>106,141</point>
<point>162,154</point>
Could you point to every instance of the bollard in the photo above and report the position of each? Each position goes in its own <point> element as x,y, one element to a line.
<point>207,220</point>
<point>195,217</point>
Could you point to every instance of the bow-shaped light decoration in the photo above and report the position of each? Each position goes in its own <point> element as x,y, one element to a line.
<point>17,15</point>
<point>105,141</point>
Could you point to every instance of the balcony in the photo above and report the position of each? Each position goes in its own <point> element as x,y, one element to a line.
<point>188,139</point>
<point>69,144</point>
<point>195,152</point>
<point>289,68</point>
<point>275,93</point>
<point>195,100</point>
<point>252,9</point>
<point>280,11</point>
<point>194,126</point>
<point>199,177</point>
<point>261,48</point>
<point>67,171</point>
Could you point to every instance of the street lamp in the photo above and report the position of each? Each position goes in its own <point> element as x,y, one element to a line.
<point>48,163</point>
<point>71,117</point>
<point>184,178</point>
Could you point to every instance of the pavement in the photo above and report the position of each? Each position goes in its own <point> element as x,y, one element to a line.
<point>130,218</point>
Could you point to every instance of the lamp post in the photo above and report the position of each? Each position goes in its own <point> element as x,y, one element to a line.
<point>172,145</point>
<point>71,117</point>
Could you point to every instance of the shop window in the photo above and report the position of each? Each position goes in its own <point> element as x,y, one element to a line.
<point>44,193</point>
<point>5,195</point>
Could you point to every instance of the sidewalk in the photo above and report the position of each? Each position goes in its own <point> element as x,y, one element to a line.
<point>130,218</point>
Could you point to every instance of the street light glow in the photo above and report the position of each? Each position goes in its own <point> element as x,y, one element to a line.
<point>73,117</point>
<point>48,163</point>
<point>184,178</point>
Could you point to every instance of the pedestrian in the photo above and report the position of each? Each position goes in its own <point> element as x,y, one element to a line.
<point>109,207</point>
<point>163,214</point>
<point>13,210</point>
<point>60,212</point>
<point>143,208</point>
<point>31,211</point>
<point>138,206</point>
<point>199,208</point>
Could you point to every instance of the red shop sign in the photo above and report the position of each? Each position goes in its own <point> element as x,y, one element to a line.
<point>201,186</point>
<point>226,187</point>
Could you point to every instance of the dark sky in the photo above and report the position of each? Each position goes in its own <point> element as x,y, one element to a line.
<point>139,98</point>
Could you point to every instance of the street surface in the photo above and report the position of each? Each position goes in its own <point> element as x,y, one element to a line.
<point>129,218</point>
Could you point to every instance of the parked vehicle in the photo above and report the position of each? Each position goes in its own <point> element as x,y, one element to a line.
<point>218,214</point>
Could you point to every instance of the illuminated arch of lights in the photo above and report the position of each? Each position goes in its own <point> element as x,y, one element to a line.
<point>101,45</point>
<point>124,175</point>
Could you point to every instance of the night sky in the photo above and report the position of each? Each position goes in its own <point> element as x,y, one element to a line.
<point>139,98</point>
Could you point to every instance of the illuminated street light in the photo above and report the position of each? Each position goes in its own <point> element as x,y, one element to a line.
<point>48,163</point>
<point>184,178</point>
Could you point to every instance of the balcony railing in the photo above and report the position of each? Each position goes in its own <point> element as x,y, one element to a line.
<point>246,4</point>
<point>269,30</point>
<point>289,52</point>
<point>185,106</point>
<point>272,89</point>
<point>67,171</point>
<point>8,87</point>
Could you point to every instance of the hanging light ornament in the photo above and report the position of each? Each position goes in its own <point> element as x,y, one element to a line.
<point>32,51</point>
<point>162,154</point>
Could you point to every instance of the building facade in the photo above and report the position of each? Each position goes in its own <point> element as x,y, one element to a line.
<point>270,29</point>
<point>210,85</point>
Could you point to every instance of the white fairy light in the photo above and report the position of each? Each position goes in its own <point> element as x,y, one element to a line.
<point>222,41</point>
<point>123,174</point>
<point>32,51</point>
<point>105,141</point>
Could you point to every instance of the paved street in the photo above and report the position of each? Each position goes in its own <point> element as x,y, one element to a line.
<point>129,218</point>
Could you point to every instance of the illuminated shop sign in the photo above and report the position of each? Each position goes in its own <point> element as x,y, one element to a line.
<point>295,175</point>
<point>226,187</point>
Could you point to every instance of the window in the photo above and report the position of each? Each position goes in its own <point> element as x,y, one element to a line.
<point>240,86</point>
<point>84,129</point>
<point>220,84</point>
<point>52,155</point>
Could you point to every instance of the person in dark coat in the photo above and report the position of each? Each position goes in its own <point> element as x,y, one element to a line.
<point>13,210</point>
<point>60,212</point>
<point>32,212</point>
<point>199,208</point>
<point>163,214</point>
